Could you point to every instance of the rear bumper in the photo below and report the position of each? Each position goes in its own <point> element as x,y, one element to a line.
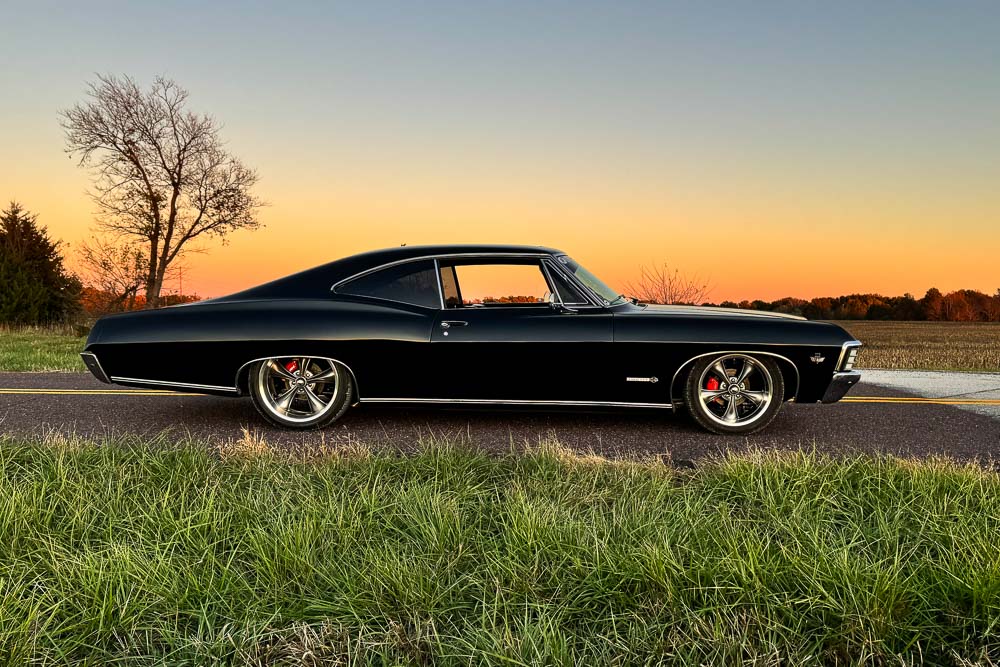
<point>94,366</point>
<point>840,385</point>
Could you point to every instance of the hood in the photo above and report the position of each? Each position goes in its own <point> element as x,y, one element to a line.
<point>721,312</point>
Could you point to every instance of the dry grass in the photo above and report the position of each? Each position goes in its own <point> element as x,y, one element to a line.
<point>961,346</point>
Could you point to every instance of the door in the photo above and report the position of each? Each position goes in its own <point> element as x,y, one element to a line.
<point>511,332</point>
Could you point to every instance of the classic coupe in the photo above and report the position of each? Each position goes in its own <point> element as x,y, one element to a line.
<point>473,324</point>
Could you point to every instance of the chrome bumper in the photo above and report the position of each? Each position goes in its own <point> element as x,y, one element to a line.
<point>840,385</point>
<point>94,366</point>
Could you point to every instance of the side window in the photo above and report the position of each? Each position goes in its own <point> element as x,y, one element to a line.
<point>492,285</point>
<point>413,282</point>
<point>569,294</point>
<point>449,287</point>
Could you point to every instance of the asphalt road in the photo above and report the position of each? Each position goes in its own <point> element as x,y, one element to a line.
<point>883,417</point>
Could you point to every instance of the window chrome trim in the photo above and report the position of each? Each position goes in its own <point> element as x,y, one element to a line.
<point>440,283</point>
<point>498,401</point>
<point>458,255</point>
<point>381,298</point>
<point>551,283</point>
<point>594,299</point>
<point>798,379</point>
<point>540,264</point>
<point>179,385</point>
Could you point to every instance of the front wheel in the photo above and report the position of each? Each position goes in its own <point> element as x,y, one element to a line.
<point>300,392</point>
<point>734,393</point>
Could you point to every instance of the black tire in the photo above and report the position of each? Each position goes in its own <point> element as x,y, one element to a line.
<point>750,417</point>
<point>340,398</point>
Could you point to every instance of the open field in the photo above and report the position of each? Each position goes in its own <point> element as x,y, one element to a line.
<point>959,346</point>
<point>40,349</point>
<point>139,552</point>
<point>966,346</point>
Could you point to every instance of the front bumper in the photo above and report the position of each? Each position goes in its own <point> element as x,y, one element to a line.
<point>840,385</point>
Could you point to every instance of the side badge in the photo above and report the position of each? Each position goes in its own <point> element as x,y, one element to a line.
<point>817,358</point>
<point>651,380</point>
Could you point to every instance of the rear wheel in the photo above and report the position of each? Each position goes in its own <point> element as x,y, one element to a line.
<point>734,393</point>
<point>300,392</point>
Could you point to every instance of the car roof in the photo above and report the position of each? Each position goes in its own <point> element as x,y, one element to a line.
<point>316,282</point>
<point>375,258</point>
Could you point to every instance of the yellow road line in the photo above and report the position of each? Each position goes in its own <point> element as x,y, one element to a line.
<point>95,392</point>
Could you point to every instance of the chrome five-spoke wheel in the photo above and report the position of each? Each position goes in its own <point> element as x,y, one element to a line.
<point>300,392</point>
<point>734,393</point>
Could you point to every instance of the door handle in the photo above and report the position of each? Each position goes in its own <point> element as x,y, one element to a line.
<point>447,324</point>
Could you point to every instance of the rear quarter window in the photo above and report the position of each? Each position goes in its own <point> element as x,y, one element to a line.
<point>414,283</point>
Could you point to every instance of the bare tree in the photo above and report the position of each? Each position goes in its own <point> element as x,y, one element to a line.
<point>658,284</point>
<point>162,176</point>
<point>116,270</point>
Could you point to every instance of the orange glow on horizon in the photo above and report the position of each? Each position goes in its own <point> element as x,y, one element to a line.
<point>746,248</point>
<point>741,256</point>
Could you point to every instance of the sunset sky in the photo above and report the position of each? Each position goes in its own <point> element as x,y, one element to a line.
<point>781,148</point>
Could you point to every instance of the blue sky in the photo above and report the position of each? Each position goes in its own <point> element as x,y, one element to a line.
<point>597,123</point>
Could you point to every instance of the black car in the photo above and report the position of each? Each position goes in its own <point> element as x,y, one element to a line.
<point>473,324</point>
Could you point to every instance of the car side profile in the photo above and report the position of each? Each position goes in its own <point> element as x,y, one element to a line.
<point>473,324</point>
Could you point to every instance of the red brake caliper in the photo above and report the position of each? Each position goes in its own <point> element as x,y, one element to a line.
<point>713,385</point>
<point>292,366</point>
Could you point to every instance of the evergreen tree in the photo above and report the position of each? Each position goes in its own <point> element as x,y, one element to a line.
<point>35,288</point>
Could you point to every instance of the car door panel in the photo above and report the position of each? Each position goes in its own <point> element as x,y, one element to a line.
<point>529,353</point>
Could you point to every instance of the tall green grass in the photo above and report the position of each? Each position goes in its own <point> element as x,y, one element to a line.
<point>40,349</point>
<point>138,553</point>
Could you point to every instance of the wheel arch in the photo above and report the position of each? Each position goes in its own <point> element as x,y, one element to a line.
<point>243,372</point>
<point>787,366</point>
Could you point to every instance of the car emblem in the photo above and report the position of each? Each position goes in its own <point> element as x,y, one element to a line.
<point>817,358</point>
<point>651,380</point>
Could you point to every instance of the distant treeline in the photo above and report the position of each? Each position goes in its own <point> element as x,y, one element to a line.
<point>959,306</point>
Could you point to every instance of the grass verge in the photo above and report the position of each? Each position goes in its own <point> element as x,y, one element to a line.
<point>40,349</point>
<point>147,553</point>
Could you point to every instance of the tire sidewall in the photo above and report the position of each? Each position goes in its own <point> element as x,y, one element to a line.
<point>698,411</point>
<point>342,401</point>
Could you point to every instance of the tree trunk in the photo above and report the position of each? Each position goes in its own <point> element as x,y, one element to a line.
<point>155,292</point>
<point>152,285</point>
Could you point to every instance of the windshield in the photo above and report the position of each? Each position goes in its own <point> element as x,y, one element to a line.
<point>590,280</point>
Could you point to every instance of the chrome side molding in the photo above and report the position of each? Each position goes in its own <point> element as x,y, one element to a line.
<point>175,385</point>
<point>486,401</point>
